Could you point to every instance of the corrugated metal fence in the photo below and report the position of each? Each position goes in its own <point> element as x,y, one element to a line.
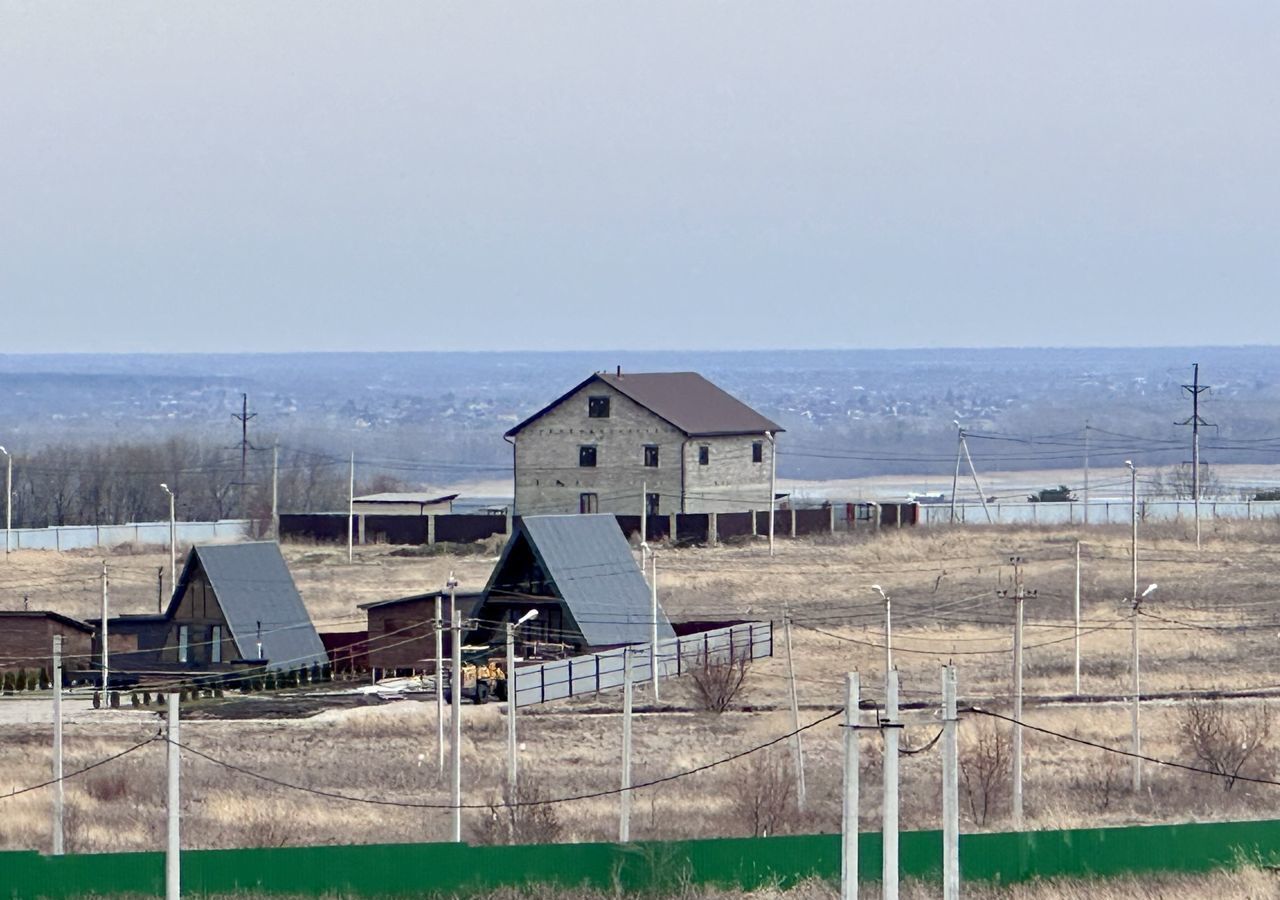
<point>86,537</point>
<point>1101,512</point>
<point>594,672</point>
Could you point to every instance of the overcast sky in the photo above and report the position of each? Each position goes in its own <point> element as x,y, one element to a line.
<point>579,175</point>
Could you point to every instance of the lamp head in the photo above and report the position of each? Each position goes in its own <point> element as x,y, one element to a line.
<point>879,590</point>
<point>164,487</point>
<point>1129,463</point>
<point>4,451</point>
<point>1150,588</point>
<point>531,614</point>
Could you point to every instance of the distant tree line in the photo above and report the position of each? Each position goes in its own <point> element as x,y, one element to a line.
<point>105,484</point>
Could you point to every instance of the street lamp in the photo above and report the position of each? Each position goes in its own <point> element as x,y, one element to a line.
<point>511,698</point>
<point>1137,702</point>
<point>173,543</point>
<point>888,630</point>
<point>8,498</point>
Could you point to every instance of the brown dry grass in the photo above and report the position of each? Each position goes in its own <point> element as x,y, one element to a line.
<point>943,585</point>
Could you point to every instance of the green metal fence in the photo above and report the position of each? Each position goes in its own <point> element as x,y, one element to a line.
<point>391,870</point>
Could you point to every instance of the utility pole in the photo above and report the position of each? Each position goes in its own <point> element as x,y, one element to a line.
<point>890,726</point>
<point>173,537</point>
<point>1133,532</point>
<point>1086,474</point>
<point>1195,390</point>
<point>888,628</point>
<point>654,656</point>
<point>160,590</point>
<point>773,483</point>
<point>57,745</point>
<point>950,789</point>
<point>440,680</point>
<point>982,495</point>
<point>955,478</point>
<point>351,510</point>
<point>510,674</point>
<point>275,491</point>
<point>624,798</point>
<point>106,698</point>
<point>849,809</point>
<point>456,682</point>
<point>8,498</point>
<point>644,525</point>
<point>797,747</point>
<point>1077,620</point>
<point>1019,596</point>
<point>173,846</point>
<point>243,417</point>
<point>1135,711</point>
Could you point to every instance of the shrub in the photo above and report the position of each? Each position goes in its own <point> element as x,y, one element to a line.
<point>315,673</point>
<point>1225,741</point>
<point>519,818</point>
<point>986,768</point>
<point>20,681</point>
<point>718,679</point>
<point>8,682</point>
<point>763,798</point>
<point>146,698</point>
<point>133,699</point>
<point>46,680</point>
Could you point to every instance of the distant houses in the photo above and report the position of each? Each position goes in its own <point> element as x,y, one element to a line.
<point>683,442</point>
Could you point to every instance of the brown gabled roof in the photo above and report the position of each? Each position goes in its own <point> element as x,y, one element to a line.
<point>685,399</point>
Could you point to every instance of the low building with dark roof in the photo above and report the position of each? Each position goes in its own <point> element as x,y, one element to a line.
<point>402,635</point>
<point>403,503</point>
<point>26,640</point>
<point>683,443</point>
<point>578,572</point>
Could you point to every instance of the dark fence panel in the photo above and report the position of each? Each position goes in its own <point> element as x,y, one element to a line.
<point>813,521</point>
<point>630,526</point>
<point>658,528</point>
<point>462,529</point>
<point>692,526</point>
<point>732,525</point>
<point>314,526</point>
<point>396,529</point>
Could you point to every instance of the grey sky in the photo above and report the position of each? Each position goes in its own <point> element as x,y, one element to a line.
<point>271,176</point>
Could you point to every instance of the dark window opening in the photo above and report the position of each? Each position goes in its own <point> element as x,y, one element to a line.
<point>704,456</point>
<point>587,456</point>
<point>651,455</point>
<point>588,503</point>
<point>598,407</point>
<point>650,505</point>
<point>757,452</point>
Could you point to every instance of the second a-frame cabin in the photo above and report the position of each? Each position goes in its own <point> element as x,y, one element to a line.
<point>578,572</point>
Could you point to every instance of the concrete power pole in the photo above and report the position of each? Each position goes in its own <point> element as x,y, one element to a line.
<point>1019,596</point>
<point>950,789</point>
<point>275,491</point>
<point>106,698</point>
<point>849,809</point>
<point>351,510</point>
<point>773,484</point>
<point>173,846</point>
<point>440,683</point>
<point>1077,620</point>
<point>1195,390</point>
<point>654,655</point>
<point>1086,474</point>
<point>624,798</point>
<point>455,686</point>
<point>57,745</point>
<point>797,746</point>
<point>512,745</point>
<point>890,727</point>
<point>8,498</point>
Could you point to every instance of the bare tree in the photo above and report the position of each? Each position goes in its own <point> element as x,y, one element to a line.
<point>519,817</point>
<point>763,797</point>
<point>1224,742</point>
<point>986,765</point>
<point>718,677</point>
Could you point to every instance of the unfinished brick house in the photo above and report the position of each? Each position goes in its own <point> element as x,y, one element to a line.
<point>26,640</point>
<point>684,443</point>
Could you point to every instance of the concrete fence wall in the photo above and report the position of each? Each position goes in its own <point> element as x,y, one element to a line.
<point>1100,512</point>
<point>88,537</point>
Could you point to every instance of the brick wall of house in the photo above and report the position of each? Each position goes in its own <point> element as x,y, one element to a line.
<point>26,642</point>
<point>550,480</point>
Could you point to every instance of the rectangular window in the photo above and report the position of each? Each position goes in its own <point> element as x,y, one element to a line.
<point>757,452</point>
<point>650,505</point>
<point>215,644</point>
<point>587,456</point>
<point>183,639</point>
<point>704,456</point>
<point>651,455</point>
<point>588,503</point>
<point>598,407</point>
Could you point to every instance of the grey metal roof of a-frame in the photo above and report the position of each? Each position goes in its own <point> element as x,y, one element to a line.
<point>253,584</point>
<point>590,562</point>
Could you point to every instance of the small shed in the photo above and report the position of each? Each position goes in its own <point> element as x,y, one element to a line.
<point>398,503</point>
<point>26,640</point>
<point>237,604</point>
<point>402,635</point>
<point>578,572</point>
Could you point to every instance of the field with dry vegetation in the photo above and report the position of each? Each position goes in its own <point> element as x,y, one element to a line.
<point>1210,627</point>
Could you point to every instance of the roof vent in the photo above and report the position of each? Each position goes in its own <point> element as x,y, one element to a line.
<point>619,371</point>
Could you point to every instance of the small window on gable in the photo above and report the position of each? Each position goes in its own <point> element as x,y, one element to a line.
<point>704,455</point>
<point>757,452</point>
<point>587,456</point>
<point>598,407</point>
<point>588,503</point>
<point>651,455</point>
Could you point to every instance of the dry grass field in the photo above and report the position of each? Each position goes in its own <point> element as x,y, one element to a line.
<point>1213,626</point>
